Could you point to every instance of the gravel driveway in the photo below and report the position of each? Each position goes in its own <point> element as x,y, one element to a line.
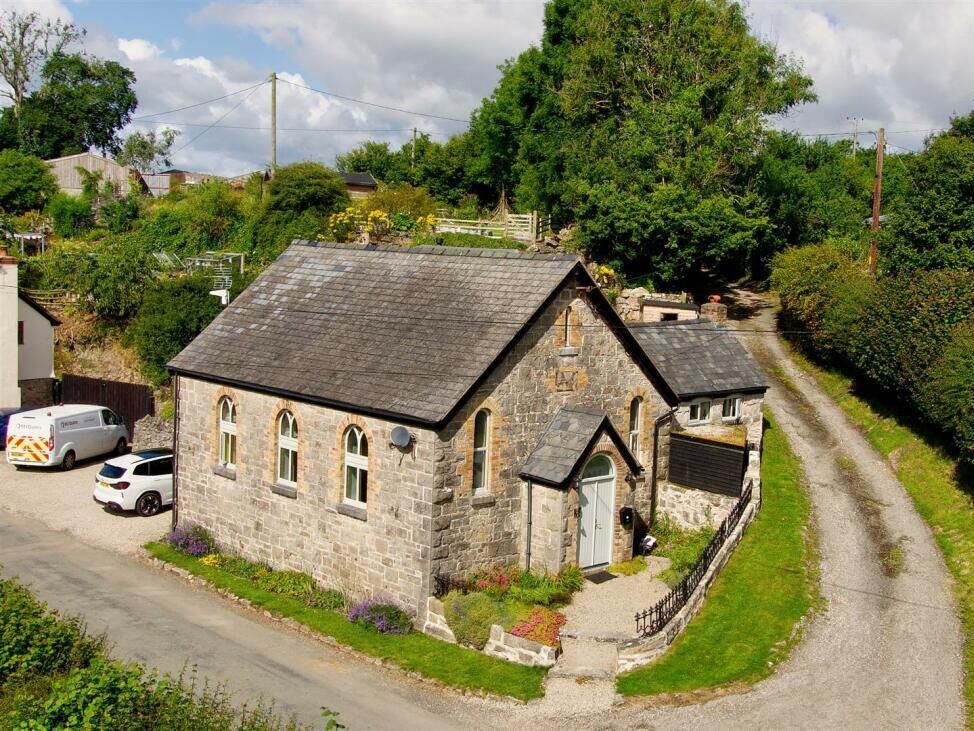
<point>62,501</point>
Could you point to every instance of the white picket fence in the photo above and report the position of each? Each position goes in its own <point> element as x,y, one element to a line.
<point>520,226</point>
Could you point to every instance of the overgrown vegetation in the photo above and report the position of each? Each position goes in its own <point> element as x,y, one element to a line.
<point>682,546</point>
<point>752,615</point>
<point>53,675</point>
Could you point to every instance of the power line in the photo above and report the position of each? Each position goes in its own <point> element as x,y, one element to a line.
<point>198,104</point>
<point>285,129</point>
<point>224,116</point>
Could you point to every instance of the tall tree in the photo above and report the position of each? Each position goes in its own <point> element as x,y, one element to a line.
<point>82,103</point>
<point>146,151</point>
<point>27,41</point>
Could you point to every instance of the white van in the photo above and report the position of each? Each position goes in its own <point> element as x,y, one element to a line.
<point>61,435</point>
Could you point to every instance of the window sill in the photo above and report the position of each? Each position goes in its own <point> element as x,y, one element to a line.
<point>225,472</point>
<point>352,511</point>
<point>290,491</point>
<point>481,501</point>
<point>568,351</point>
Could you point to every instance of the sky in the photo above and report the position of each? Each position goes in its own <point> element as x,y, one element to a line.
<point>905,66</point>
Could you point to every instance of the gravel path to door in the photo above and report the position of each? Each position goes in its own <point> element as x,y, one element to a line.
<point>887,652</point>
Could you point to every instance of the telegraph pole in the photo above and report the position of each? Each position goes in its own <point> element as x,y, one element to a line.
<point>855,135</point>
<point>877,200</point>
<point>413,163</point>
<point>273,122</point>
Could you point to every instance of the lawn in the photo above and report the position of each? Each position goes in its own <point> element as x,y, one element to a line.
<point>452,665</point>
<point>748,623</point>
<point>939,485</point>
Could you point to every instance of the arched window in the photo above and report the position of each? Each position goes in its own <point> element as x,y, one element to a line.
<point>287,449</point>
<point>481,451</point>
<point>228,432</point>
<point>356,466</point>
<point>599,466</point>
<point>635,425</point>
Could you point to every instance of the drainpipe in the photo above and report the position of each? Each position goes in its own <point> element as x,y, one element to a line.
<point>175,452</point>
<point>652,496</point>
<point>527,549</point>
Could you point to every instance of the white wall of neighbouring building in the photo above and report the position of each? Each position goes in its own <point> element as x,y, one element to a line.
<point>9,316</point>
<point>36,357</point>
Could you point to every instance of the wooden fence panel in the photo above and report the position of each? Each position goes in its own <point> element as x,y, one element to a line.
<point>131,401</point>
<point>707,465</point>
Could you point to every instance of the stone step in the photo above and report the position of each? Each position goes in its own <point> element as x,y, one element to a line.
<point>586,658</point>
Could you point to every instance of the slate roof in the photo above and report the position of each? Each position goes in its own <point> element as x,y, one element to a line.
<point>567,441</point>
<point>364,179</point>
<point>402,332</point>
<point>699,358</point>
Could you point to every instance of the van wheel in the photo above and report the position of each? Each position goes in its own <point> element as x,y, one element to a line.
<point>148,504</point>
<point>122,447</point>
<point>68,462</point>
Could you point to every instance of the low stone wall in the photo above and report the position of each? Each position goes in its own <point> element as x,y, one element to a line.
<point>152,432</point>
<point>691,508</point>
<point>517,649</point>
<point>501,644</point>
<point>644,650</point>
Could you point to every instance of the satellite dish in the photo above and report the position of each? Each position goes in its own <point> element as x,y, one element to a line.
<point>401,437</point>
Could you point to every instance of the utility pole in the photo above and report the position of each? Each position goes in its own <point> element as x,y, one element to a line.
<point>855,135</point>
<point>273,122</point>
<point>877,200</point>
<point>413,163</point>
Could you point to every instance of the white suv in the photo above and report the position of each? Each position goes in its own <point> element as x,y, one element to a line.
<point>140,481</point>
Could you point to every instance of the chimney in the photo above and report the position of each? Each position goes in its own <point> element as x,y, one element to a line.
<point>9,317</point>
<point>714,309</point>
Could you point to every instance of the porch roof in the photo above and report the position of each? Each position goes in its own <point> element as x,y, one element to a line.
<point>567,441</point>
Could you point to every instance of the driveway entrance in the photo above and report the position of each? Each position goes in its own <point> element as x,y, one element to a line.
<point>597,500</point>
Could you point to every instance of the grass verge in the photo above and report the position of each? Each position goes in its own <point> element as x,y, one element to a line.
<point>748,623</point>
<point>940,486</point>
<point>452,665</point>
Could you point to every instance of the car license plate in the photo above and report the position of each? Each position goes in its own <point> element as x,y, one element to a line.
<point>104,484</point>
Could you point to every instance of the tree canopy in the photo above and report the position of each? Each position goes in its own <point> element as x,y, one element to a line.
<point>145,151</point>
<point>27,41</point>
<point>26,182</point>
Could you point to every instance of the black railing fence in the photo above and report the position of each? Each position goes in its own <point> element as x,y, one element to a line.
<point>653,620</point>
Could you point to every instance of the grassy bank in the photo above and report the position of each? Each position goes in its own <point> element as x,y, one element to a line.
<point>747,625</point>
<point>452,665</point>
<point>939,485</point>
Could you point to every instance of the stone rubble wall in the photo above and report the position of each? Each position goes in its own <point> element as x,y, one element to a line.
<point>691,508</point>
<point>644,650</point>
<point>435,623</point>
<point>152,432</point>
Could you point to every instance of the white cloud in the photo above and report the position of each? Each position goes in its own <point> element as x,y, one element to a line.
<point>138,49</point>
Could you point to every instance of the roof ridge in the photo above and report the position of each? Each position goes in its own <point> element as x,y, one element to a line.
<point>484,252</point>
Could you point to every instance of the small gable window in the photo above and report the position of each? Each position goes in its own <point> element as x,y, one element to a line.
<point>228,432</point>
<point>356,466</point>
<point>481,450</point>
<point>700,412</point>
<point>287,449</point>
<point>635,425</point>
<point>732,408</point>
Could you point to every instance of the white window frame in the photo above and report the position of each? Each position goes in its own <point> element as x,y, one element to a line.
<point>485,450</point>
<point>287,443</point>
<point>699,404</point>
<point>358,462</point>
<point>228,433</point>
<point>568,326</point>
<point>737,407</point>
<point>635,430</point>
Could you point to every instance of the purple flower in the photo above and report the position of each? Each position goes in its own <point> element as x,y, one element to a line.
<point>383,616</point>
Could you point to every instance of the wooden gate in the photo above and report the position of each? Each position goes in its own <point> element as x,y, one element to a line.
<point>131,401</point>
<point>707,464</point>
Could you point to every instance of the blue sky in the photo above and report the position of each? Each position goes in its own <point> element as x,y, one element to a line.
<point>904,65</point>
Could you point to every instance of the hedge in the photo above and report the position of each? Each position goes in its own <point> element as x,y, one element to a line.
<point>909,335</point>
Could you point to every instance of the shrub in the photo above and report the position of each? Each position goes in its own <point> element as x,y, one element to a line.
<point>682,546</point>
<point>119,215</point>
<point>191,540</point>
<point>241,567</point>
<point>408,200</point>
<point>37,641</point>
<point>26,182</point>
<point>383,616</point>
<point>496,579</point>
<point>70,216</point>
<point>471,615</point>
<point>504,580</point>
<point>293,584</point>
<point>306,186</point>
<point>114,279</point>
<point>947,394</point>
<point>448,238</point>
<point>541,626</point>
<point>326,599</point>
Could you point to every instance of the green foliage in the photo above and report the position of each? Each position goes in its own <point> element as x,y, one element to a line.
<point>239,566</point>
<point>404,199</point>
<point>70,215</point>
<point>119,215</point>
<point>64,265</point>
<point>147,151</point>
<point>37,641</point>
<point>26,182</point>
<point>631,567</point>
<point>294,584</point>
<point>382,616</point>
<point>448,238</point>
<point>947,393</point>
<point>541,625</point>
<point>470,616</point>
<point>329,599</point>
<point>115,277</point>
<point>682,546</point>
<point>306,186</point>
<point>273,231</point>
<point>931,225</point>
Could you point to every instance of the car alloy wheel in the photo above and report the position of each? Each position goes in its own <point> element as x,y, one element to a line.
<point>148,505</point>
<point>68,462</point>
<point>122,447</point>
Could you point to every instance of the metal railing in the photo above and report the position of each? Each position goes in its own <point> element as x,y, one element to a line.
<point>656,618</point>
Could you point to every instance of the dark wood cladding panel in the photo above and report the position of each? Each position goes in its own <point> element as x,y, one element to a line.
<point>707,465</point>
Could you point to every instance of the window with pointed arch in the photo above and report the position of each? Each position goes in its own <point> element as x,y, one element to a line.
<point>287,449</point>
<point>635,425</point>
<point>227,411</point>
<point>481,451</point>
<point>356,466</point>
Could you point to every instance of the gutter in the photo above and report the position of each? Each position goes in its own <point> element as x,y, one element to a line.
<point>527,551</point>
<point>657,422</point>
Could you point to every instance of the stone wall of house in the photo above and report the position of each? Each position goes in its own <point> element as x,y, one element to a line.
<point>692,508</point>
<point>380,550</point>
<point>539,376</point>
<point>750,424</point>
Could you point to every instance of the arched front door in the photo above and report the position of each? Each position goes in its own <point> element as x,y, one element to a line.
<point>597,493</point>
